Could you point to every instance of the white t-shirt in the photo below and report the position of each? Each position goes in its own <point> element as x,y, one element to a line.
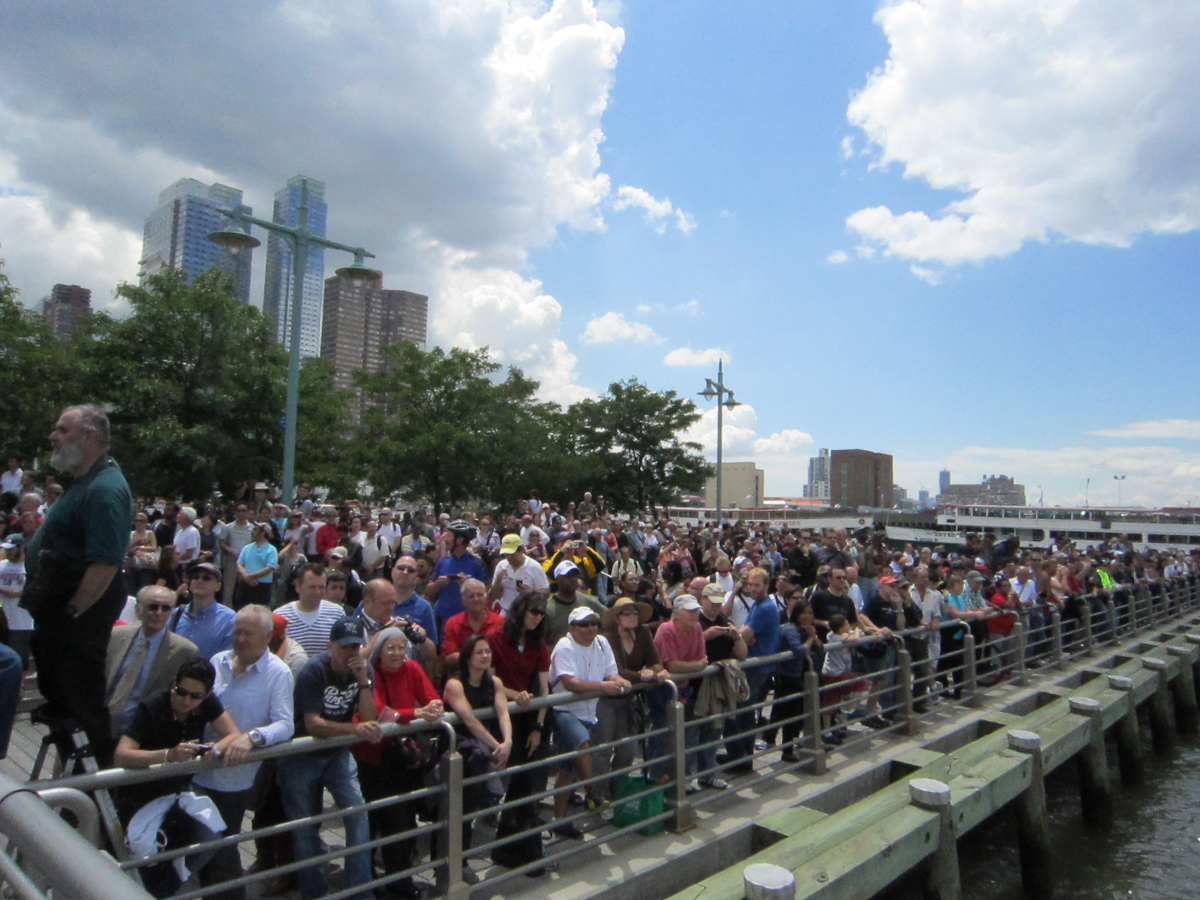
<point>188,539</point>
<point>10,482</point>
<point>594,663</point>
<point>374,549</point>
<point>12,578</point>
<point>391,533</point>
<point>529,572</point>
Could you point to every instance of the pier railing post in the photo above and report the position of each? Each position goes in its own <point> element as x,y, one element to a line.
<point>450,883</point>
<point>971,671</point>
<point>684,815</point>
<point>1089,645</point>
<point>1162,716</point>
<point>1019,637</point>
<point>1033,831</point>
<point>812,722</point>
<point>1133,613</point>
<point>1113,630</point>
<point>1056,638</point>
<point>943,881</point>
<point>904,662</point>
<point>1183,689</point>
<point>1130,757</point>
<point>1092,763</point>
<point>1151,612</point>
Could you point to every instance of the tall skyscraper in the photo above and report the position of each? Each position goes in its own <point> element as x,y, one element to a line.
<point>277,294</point>
<point>64,306</point>
<point>818,476</point>
<point>176,234</point>
<point>943,480</point>
<point>360,321</point>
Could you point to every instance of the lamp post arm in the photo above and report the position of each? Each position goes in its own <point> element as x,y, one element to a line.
<point>293,233</point>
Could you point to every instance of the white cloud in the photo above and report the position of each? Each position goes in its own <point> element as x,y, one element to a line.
<point>933,276</point>
<point>837,257</point>
<point>516,322</point>
<point>686,356</point>
<point>1051,119</point>
<point>847,146</point>
<point>613,326</point>
<point>739,432</point>
<point>1162,429</point>
<point>656,212</point>
<point>480,120</point>
<point>690,307</point>
<point>783,443</point>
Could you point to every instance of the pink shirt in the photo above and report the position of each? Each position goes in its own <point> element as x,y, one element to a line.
<point>675,644</point>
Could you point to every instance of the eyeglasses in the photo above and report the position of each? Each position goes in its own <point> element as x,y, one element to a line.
<point>405,568</point>
<point>190,695</point>
<point>592,623</point>
<point>158,607</point>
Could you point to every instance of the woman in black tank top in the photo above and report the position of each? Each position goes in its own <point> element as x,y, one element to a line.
<point>485,745</point>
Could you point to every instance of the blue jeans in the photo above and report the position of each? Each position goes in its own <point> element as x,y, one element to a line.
<point>11,676</point>
<point>301,779</point>
<point>740,737</point>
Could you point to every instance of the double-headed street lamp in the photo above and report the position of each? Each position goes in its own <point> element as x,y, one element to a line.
<point>724,397</point>
<point>236,237</point>
<point>1118,479</point>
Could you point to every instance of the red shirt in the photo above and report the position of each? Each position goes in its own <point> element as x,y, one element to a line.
<point>327,538</point>
<point>402,691</point>
<point>514,667</point>
<point>458,629</point>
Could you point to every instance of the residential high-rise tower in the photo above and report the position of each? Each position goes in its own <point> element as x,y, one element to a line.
<point>176,234</point>
<point>64,306</point>
<point>277,293</point>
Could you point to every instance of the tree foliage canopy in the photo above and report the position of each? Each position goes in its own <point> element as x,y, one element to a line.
<point>194,383</point>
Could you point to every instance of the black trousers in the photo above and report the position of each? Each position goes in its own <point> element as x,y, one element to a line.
<point>70,657</point>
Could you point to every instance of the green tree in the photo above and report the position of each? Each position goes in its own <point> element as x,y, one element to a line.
<point>194,381</point>
<point>639,435</point>
<point>323,433</point>
<point>37,377</point>
<point>438,426</point>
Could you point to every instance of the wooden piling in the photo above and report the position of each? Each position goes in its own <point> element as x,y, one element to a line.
<point>1130,756</point>
<point>1183,691</point>
<point>1033,831</point>
<point>1092,763</point>
<point>1162,716</point>
<point>943,881</point>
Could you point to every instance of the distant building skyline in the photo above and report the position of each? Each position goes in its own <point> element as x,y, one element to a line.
<point>993,490</point>
<point>817,487</point>
<point>277,290</point>
<point>175,234</point>
<point>64,306</point>
<point>360,321</point>
<point>743,486</point>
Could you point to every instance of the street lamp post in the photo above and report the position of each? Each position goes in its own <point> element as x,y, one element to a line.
<point>1118,479</point>
<point>235,237</point>
<point>724,397</point>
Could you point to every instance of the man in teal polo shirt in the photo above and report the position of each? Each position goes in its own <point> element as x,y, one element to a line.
<point>74,590</point>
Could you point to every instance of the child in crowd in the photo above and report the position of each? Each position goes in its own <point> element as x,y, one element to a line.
<point>837,675</point>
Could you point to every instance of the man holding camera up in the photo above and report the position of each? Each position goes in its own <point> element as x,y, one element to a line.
<point>515,574</point>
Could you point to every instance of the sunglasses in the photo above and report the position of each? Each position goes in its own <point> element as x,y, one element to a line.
<point>590,624</point>
<point>190,695</point>
<point>159,607</point>
<point>535,612</point>
<point>628,612</point>
<point>405,568</point>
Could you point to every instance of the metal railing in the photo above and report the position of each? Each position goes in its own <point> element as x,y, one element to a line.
<point>901,693</point>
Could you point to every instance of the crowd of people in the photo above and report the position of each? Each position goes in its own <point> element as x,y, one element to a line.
<point>247,625</point>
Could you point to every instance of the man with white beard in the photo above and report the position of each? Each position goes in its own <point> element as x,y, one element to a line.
<point>74,590</point>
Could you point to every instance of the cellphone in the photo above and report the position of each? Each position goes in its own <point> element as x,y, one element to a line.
<point>202,748</point>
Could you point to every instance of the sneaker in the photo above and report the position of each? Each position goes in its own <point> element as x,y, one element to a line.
<point>760,745</point>
<point>832,737</point>
<point>717,784</point>
<point>789,756</point>
<point>595,804</point>
<point>857,713</point>
<point>693,787</point>
<point>576,799</point>
<point>568,830</point>
<point>469,876</point>
<point>877,722</point>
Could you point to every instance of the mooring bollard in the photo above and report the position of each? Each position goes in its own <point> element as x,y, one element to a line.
<point>943,881</point>
<point>1130,757</point>
<point>1033,831</point>
<point>1162,724</point>
<point>764,881</point>
<point>1183,690</point>
<point>1092,763</point>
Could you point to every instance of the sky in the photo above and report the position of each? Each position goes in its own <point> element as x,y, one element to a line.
<point>962,233</point>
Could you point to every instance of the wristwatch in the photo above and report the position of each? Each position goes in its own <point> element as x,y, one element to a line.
<point>368,684</point>
<point>257,738</point>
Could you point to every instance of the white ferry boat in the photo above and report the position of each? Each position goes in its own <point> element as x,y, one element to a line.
<point>1037,526</point>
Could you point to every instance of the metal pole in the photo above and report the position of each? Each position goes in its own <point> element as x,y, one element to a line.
<point>720,424</point>
<point>300,249</point>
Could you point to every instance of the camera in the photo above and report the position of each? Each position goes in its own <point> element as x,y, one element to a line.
<point>410,632</point>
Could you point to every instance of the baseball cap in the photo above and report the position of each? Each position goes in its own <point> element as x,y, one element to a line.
<point>280,626</point>
<point>888,579</point>
<point>338,552</point>
<point>207,567</point>
<point>687,601</point>
<point>566,567</point>
<point>11,541</point>
<point>510,543</point>
<point>582,614</point>
<point>347,631</point>
<point>712,589</point>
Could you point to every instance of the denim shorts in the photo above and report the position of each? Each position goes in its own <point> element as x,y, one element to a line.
<point>572,733</point>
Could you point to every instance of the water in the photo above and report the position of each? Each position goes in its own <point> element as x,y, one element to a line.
<point>1151,852</point>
